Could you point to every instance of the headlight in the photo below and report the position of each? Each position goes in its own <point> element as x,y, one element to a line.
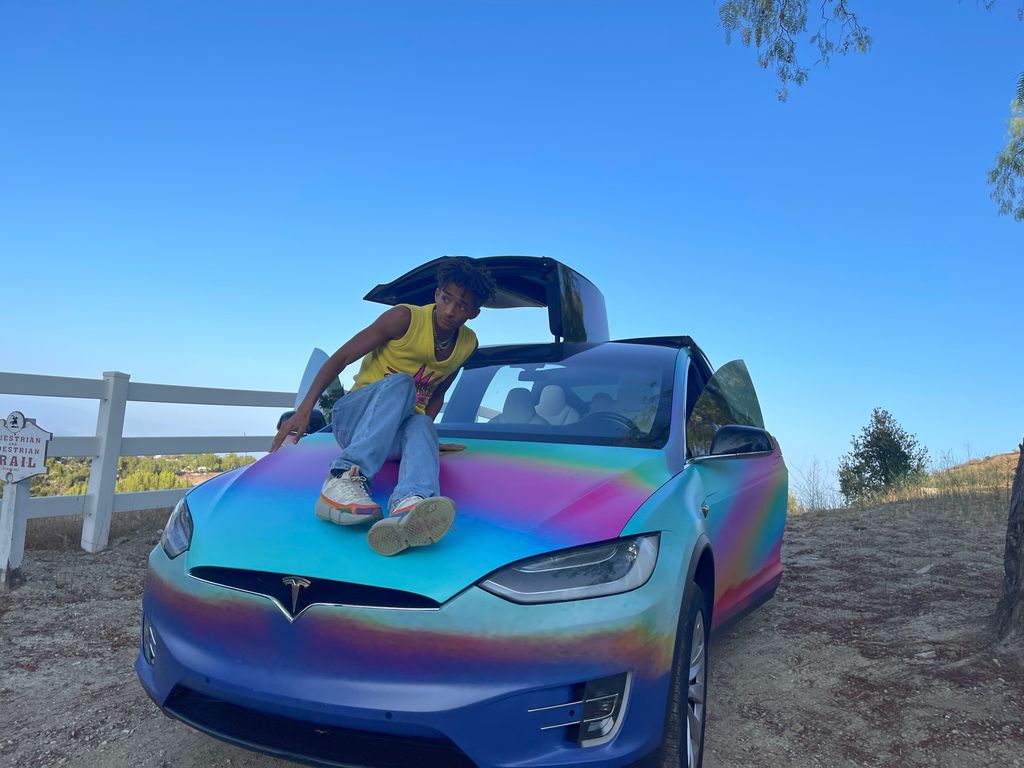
<point>575,574</point>
<point>177,535</point>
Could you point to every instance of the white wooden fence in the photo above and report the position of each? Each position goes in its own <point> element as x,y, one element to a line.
<point>113,391</point>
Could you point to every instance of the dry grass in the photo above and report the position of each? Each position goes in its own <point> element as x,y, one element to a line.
<point>56,533</point>
<point>65,533</point>
<point>962,487</point>
<point>976,485</point>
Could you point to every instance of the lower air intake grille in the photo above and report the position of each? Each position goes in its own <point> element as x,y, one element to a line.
<point>311,743</point>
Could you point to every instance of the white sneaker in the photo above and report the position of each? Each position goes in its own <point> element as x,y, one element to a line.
<point>425,522</point>
<point>406,504</point>
<point>345,501</point>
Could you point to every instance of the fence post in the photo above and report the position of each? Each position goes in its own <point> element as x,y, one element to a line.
<point>109,424</point>
<point>12,532</point>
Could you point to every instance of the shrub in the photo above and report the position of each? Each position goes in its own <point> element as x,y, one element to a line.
<point>884,458</point>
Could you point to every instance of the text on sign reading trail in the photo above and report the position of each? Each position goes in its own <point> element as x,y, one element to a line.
<point>23,446</point>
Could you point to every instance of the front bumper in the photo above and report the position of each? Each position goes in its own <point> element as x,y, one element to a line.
<point>480,677</point>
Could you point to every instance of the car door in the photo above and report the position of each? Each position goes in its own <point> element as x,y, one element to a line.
<point>745,494</point>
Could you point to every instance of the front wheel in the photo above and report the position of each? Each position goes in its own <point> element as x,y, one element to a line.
<point>682,744</point>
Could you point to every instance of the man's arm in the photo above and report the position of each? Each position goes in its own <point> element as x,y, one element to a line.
<point>433,406</point>
<point>392,324</point>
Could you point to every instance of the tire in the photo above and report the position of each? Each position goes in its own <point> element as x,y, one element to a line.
<point>682,743</point>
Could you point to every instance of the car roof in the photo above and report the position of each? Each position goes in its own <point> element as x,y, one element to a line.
<point>677,342</point>
<point>555,351</point>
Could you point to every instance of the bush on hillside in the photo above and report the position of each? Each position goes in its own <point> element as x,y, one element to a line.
<point>884,457</point>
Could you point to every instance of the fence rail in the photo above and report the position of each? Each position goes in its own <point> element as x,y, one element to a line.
<point>97,506</point>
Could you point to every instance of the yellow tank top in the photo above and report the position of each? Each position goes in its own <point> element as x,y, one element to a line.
<point>414,354</point>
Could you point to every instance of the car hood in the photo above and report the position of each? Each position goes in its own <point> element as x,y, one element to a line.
<point>514,500</point>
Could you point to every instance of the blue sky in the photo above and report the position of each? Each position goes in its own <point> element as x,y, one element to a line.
<point>201,193</point>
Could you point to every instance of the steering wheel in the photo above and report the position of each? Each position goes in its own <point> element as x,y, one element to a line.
<point>613,418</point>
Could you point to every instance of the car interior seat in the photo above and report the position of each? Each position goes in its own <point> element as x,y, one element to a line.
<point>553,408</point>
<point>518,408</point>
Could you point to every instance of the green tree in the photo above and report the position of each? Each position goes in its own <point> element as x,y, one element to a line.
<point>884,456</point>
<point>776,29</point>
<point>66,477</point>
<point>1007,176</point>
<point>70,476</point>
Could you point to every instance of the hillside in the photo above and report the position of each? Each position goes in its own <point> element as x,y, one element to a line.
<point>70,476</point>
<point>990,477</point>
<point>997,467</point>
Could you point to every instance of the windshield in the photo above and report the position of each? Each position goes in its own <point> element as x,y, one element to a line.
<point>603,394</point>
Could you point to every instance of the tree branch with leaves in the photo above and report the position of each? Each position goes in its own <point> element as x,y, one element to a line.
<point>1007,176</point>
<point>776,28</point>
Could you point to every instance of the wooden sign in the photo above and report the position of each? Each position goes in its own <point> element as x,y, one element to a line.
<point>23,446</point>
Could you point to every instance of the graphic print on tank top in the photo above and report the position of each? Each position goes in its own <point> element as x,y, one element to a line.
<point>425,383</point>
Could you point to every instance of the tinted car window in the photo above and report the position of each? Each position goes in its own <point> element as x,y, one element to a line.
<point>728,398</point>
<point>603,394</point>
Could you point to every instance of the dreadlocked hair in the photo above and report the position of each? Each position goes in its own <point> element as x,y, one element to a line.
<point>468,274</point>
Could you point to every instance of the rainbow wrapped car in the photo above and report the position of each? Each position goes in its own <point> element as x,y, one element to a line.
<point>617,500</point>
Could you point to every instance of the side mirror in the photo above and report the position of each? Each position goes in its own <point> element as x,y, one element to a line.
<point>732,439</point>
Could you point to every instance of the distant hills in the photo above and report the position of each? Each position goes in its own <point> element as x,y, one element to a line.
<point>70,476</point>
<point>983,473</point>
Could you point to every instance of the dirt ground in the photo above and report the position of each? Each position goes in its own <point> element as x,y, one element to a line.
<point>874,652</point>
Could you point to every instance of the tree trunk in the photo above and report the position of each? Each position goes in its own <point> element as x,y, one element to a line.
<point>1009,616</point>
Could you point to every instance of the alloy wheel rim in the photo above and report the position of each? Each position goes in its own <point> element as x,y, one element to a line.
<point>695,691</point>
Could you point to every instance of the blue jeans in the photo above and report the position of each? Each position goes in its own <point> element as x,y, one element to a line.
<point>378,422</point>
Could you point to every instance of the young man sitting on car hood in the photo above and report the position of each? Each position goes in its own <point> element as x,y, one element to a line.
<point>410,355</point>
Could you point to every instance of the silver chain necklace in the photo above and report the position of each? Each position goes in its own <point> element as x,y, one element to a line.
<point>441,346</point>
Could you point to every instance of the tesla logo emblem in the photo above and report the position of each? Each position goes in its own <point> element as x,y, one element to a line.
<point>296,583</point>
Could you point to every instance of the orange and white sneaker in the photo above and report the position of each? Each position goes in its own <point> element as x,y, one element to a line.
<point>344,500</point>
<point>406,505</point>
<point>416,522</point>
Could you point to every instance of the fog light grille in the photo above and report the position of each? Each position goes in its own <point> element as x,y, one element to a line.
<point>594,714</point>
<point>149,642</point>
<point>603,703</point>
